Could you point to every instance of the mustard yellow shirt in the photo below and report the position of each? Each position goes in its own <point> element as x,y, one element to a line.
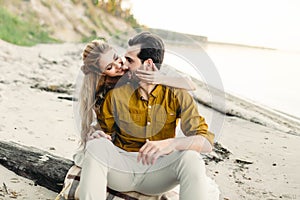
<point>132,120</point>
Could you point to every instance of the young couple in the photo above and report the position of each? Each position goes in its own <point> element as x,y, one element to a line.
<point>133,146</point>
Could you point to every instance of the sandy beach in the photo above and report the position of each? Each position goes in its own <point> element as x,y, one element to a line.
<point>34,81</point>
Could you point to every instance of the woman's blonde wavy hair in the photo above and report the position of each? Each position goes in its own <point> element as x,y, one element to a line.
<point>92,81</point>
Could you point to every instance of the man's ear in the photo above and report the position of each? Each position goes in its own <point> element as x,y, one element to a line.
<point>148,64</point>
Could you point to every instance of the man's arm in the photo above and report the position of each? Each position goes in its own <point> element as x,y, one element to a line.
<point>192,125</point>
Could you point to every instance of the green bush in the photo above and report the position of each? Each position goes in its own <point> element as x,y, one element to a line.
<point>20,32</point>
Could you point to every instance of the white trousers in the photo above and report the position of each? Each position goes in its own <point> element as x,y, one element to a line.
<point>107,165</point>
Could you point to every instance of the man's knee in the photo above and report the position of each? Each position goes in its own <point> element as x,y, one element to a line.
<point>101,149</point>
<point>192,162</point>
<point>99,145</point>
<point>191,156</point>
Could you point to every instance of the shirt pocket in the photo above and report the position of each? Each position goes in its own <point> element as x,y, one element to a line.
<point>164,125</point>
<point>166,118</point>
<point>131,124</point>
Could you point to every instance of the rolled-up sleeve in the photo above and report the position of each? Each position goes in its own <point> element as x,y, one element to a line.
<point>191,121</point>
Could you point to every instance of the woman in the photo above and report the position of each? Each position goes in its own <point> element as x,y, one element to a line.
<point>98,80</point>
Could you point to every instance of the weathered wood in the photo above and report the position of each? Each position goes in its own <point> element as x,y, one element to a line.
<point>43,168</point>
<point>49,171</point>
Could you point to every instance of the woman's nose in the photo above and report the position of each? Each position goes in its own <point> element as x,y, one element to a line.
<point>119,65</point>
<point>124,67</point>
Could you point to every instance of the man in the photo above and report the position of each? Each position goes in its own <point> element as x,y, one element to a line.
<point>145,156</point>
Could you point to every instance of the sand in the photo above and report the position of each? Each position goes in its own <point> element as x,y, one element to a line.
<point>264,146</point>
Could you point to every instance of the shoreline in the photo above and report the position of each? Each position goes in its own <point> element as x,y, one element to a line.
<point>241,45</point>
<point>31,116</point>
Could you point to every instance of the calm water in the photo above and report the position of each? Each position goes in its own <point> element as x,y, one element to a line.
<point>269,77</point>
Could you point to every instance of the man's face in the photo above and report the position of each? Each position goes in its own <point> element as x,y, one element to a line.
<point>132,61</point>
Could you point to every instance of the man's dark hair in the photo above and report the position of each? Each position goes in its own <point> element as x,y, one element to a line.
<point>152,47</point>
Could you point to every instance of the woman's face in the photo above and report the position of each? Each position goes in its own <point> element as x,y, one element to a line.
<point>111,64</point>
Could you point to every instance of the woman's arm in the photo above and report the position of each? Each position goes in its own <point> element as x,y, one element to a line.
<point>95,129</point>
<point>154,76</point>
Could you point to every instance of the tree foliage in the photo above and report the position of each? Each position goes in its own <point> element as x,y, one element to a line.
<point>114,7</point>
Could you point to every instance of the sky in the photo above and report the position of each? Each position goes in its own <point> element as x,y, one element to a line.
<point>268,23</point>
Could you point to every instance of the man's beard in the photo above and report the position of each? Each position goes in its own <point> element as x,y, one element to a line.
<point>133,79</point>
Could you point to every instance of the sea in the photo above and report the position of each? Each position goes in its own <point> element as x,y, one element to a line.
<point>266,77</point>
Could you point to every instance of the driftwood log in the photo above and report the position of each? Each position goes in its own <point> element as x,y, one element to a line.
<point>43,168</point>
<point>49,171</point>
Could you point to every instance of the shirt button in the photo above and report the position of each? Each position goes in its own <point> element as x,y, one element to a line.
<point>148,123</point>
<point>149,106</point>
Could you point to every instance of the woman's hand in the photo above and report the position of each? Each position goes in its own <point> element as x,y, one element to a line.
<point>152,75</point>
<point>98,134</point>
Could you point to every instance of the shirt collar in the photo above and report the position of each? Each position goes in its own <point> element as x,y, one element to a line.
<point>155,92</point>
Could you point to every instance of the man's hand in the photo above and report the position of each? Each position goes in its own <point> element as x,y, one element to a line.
<point>152,150</point>
<point>98,134</point>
